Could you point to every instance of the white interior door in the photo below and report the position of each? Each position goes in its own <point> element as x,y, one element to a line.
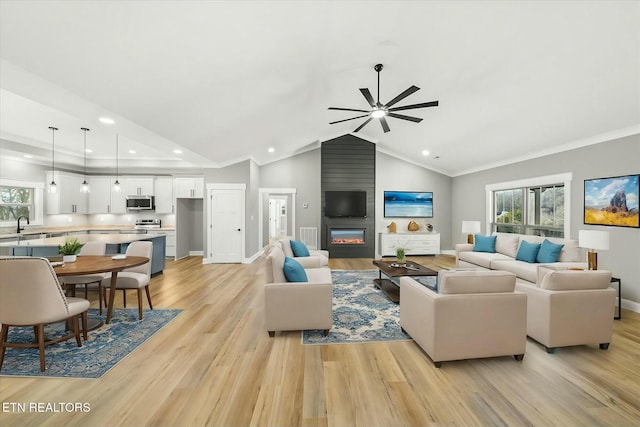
<point>226,222</point>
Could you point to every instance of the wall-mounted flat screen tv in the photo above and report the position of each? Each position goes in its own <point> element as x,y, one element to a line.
<point>345,204</point>
<point>612,201</point>
<point>408,204</point>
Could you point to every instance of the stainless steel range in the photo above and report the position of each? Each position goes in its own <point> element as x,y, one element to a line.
<point>148,224</point>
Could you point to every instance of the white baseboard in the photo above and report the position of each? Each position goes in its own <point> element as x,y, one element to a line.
<point>630,305</point>
<point>448,252</point>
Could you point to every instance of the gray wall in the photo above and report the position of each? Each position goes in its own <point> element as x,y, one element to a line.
<point>301,172</point>
<point>613,158</point>
<point>395,174</point>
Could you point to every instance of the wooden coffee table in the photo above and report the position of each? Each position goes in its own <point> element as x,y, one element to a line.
<point>390,285</point>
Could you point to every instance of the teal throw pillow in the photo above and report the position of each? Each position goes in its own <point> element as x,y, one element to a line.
<point>484,243</point>
<point>293,271</point>
<point>549,252</point>
<point>298,248</point>
<point>528,251</point>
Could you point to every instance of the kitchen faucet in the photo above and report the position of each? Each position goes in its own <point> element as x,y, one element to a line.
<point>19,218</point>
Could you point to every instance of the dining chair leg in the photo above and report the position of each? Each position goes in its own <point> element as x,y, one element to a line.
<point>3,342</point>
<point>139,304</point>
<point>85,319</point>
<point>76,330</point>
<point>100,290</point>
<point>124,298</point>
<point>41,345</point>
<point>146,288</point>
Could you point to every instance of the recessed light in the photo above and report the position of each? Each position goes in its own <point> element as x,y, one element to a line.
<point>106,120</point>
<point>88,150</point>
<point>176,151</point>
<point>28,156</point>
<point>425,152</point>
<point>271,149</point>
<point>132,151</point>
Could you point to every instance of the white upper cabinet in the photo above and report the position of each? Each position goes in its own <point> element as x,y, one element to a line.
<point>189,187</point>
<point>164,195</point>
<point>100,194</point>
<point>137,186</point>
<point>68,199</point>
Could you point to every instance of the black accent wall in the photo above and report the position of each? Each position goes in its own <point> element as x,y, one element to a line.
<point>348,164</point>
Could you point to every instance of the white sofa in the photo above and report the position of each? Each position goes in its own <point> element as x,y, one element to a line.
<point>294,306</point>
<point>474,314</point>
<point>506,249</point>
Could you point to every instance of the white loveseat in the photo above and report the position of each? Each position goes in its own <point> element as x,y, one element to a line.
<point>320,256</point>
<point>296,306</point>
<point>504,257</point>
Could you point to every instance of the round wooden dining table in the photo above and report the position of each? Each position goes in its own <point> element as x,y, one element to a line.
<point>93,264</point>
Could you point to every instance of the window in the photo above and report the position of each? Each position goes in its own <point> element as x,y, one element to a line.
<point>20,198</point>
<point>535,206</point>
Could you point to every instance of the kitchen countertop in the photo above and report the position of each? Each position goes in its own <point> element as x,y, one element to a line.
<point>113,239</point>
<point>30,231</point>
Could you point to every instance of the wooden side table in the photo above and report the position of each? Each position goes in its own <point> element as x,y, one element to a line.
<point>619,282</point>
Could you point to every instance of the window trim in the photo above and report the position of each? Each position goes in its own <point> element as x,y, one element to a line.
<point>38,199</point>
<point>533,182</point>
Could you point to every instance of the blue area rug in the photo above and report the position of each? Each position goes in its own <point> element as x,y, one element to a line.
<point>361,312</point>
<point>105,347</point>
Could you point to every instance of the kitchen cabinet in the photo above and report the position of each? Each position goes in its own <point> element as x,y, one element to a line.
<point>189,187</point>
<point>68,199</point>
<point>170,250</point>
<point>137,185</point>
<point>100,194</point>
<point>414,244</point>
<point>163,187</point>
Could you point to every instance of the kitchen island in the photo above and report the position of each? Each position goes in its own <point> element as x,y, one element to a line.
<point>116,244</point>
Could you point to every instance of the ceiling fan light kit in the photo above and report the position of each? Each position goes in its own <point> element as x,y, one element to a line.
<point>381,111</point>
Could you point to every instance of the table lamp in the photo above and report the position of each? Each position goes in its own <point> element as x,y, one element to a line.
<point>592,240</point>
<point>470,227</point>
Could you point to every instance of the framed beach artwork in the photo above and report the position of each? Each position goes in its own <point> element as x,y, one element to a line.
<point>612,201</point>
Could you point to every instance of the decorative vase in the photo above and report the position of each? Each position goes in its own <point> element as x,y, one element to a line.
<point>392,227</point>
<point>69,258</point>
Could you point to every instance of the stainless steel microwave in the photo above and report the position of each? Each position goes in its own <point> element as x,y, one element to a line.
<point>141,203</point>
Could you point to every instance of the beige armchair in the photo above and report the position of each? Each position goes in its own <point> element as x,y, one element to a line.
<point>30,295</point>
<point>136,277</point>
<point>570,308</point>
<point>473,314</point>
<point>296,306</point>
<point>316,258</point>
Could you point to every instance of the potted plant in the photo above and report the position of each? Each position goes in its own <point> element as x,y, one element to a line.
<point>70,249</point>
<point>400,255</point>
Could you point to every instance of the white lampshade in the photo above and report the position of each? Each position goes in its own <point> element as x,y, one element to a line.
<point>593,239</point>
<point>471,227</point>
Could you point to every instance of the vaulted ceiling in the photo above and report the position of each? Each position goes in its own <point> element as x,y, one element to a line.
<point>224,81</point>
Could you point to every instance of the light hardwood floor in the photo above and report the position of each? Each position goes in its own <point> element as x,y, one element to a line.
<point>216,365</point>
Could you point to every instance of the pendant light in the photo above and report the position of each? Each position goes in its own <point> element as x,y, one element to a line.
<point>84,188</point>
<point>116,185</point>
<point>53,187</point>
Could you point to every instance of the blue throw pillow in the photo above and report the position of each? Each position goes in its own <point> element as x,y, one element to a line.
<point>549,252</point>
<point>528,251</point>
<point>484,243</point>
<point>293,271</point>
<point>299,249</point>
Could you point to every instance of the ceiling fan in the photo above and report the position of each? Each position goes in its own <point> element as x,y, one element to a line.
<point>380,111</point>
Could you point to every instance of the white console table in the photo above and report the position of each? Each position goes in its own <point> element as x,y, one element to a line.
<point>414,243</point>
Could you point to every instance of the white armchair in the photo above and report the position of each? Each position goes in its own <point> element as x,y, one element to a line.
<point>293,306</point>
<point>473,314</point>
<point>316,258</point>
<point>570,307</point>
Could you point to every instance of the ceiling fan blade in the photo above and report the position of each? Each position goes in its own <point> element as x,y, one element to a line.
<point>363,124</point>
<point>348,109</point>
<point>403,117</point>
<point>402,96</point>
<point>409,107</point>
<point>385,126</point>
<point>346,120</point>
<point>367,95</point>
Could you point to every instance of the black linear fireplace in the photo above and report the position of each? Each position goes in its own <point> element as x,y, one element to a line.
<point>347,236</point>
